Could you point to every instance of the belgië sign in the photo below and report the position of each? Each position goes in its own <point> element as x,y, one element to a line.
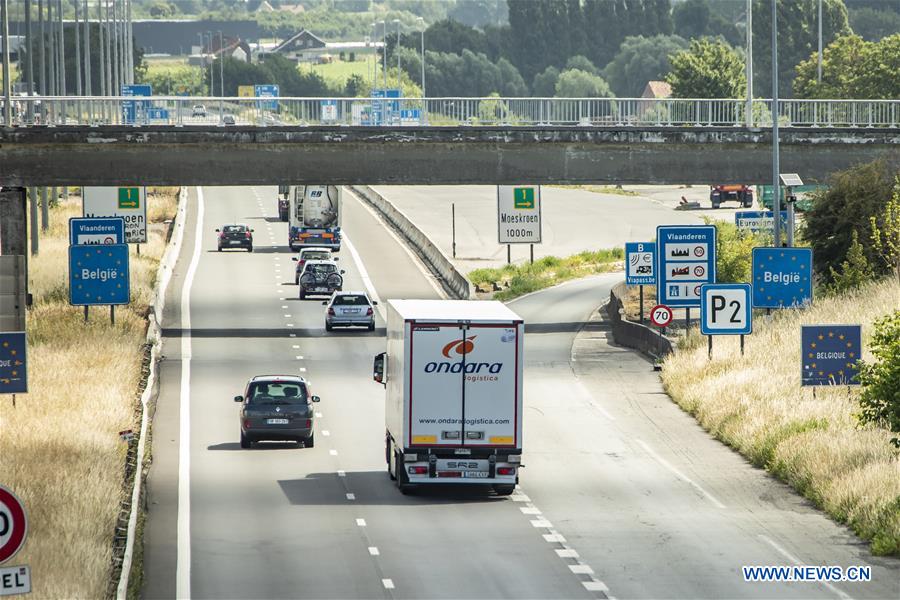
<point>98,275</point>
<point>130,203</point>
<point>782,277</point>
<point>105,230</point>
<point>829,354</point>
<point>640,263</point>
<point>13,524</point>
<point>13,365</point>
<point>519,214</point>
<point>725,309</point>
<point>687,259</point>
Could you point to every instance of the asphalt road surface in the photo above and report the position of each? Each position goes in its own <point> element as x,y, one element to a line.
<point>622,494</point>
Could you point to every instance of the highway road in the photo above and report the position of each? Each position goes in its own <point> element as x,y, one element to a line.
<point>623,495</point>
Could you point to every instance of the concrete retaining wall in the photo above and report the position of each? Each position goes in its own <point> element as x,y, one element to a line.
<point>453,282</point>
<point>634,335</point>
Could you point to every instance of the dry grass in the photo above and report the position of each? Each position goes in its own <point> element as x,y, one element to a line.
<point>59,448</point>
<point>756,405</point>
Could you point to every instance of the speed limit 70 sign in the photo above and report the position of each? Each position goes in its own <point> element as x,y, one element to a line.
<point>661,315</point>
<point>13,524</point>
<point>725,309</point>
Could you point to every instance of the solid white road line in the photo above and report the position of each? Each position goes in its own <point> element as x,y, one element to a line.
<point>361,522</point>
<point>183,535</point>
<point>678,473</point>
<point>342,473</point>
<point>373,550</point>
<point>351,496</point>
<point>798,562</point>
<point>364,275</point>
<point>388,584</point>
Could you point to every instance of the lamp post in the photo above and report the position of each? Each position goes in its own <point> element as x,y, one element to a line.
<point>776,181</point>
<point>749,63</point>
<point>383,54</point>
<point>819,70</point>
<point>421,23</point>
<point>397,50</point>
<point>374,63</point>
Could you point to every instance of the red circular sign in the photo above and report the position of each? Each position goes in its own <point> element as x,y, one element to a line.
<point>661,315</point>
<point>13,524</point>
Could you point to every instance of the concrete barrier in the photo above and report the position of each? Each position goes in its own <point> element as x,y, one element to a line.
<point>631,334</point>
<point>454,283</point>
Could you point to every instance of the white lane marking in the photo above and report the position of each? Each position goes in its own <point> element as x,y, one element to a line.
<point>581,569</point>
<point>567,553</point>
<point>296,346</point>
<point>318,415</point>
<point>360,522</point>
<point>364,275</point>
<point>595,586</point>
<point>290,324</point>
<point>302,369</point>
<point>292,335</point>
<point>351,496</point>
<point>285,306</point>
<point>287,316</point>
<point>332,452</point>
<point>326,433</point>
<point>520,498</point>
<point>554,537</point>
<point>796,561</point>
<point>388,584</point>
<point>299,357</point>
<point>541,523</point>
<point>530,510</point>
<point>183,531</point>
<point>373,550</point>
<point>342,473</point>
<point>678,473</point>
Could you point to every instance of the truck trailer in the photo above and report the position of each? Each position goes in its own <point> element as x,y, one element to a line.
<point>314,217</point>
<point>453,393</point>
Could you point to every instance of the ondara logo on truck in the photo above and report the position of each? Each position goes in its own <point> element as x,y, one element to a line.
<point>462,348</point>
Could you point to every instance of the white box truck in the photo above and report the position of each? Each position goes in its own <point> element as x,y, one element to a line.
<point>314,215</point>
<point>453,379</point>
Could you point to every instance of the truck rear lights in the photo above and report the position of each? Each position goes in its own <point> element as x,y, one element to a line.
<point>418,470</point>
<point>474,435</point>
<point>450,435</point>
<point>506,470</point>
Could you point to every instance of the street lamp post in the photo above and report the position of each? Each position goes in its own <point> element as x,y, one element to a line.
<point>819,70</point>
<point>397,50</point>
<point>421,23</point>
<point>776,181</point>
<point>749,63</point>
<point>383,54</point>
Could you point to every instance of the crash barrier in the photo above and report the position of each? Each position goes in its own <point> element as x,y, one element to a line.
<point>454,282</point>
<point>634,335</point>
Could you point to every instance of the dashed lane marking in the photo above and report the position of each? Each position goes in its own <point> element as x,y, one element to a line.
<point>566,553</point>
<point>318,415</point>
<point>388,584</point>
<point>373,550</point>
<point>342,473</point>
<point>530,510</point>
<point>333,452</point>
<point>541,523</point>
<point>360,522</point>
<point>351,496</point>
<point>326,433</point>
<point>581,569</point>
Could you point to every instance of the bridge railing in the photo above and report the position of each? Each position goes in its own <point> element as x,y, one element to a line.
<point>437,112</point>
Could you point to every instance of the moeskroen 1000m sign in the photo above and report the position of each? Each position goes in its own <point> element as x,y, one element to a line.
<point>519,214</point>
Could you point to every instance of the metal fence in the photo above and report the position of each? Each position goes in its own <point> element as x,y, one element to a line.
<point>453,112</point>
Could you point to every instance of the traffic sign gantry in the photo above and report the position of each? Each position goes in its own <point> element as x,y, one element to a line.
<point>725,309</point>
<point>782,277</point>
<point>661,315</point>
<point>13,524</point>
<point>98,275</point>
<point>829,354</point>
<point>687,260</point>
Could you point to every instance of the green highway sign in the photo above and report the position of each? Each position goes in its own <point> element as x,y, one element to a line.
<point>523,198</point>
<point>129,197</point>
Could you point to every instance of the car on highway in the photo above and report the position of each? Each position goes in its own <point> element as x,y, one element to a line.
<point>320,277</point>
<point>310,254</point>
<point>350,309</point>
<point>235,236</point>
<point>277,408</point>
<point>228,120</point>
<point>198,110</point>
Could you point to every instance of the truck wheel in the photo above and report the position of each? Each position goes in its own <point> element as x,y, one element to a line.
<point>504,490</point>
<point>402,478</point>
<point>715,205</point>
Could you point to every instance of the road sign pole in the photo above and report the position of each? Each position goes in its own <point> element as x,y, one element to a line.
<point>112,314</point>
<point>687,317</point>
<point>641,290</point>
<point>453,226</point>
<point>709,346</point>
<point>742,344</point>
<point>531,252</point>
<point>509,254</point>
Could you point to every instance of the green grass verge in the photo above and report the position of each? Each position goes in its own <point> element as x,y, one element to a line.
<point>338,72</point>
<point>517,280</point>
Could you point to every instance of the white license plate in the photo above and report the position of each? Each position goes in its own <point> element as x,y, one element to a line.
<point>235,242</point>
<point>475,474</point>
<point>351,311</point>
<point>277,421</point>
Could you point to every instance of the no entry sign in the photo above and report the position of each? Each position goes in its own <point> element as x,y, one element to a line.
<point>13,524</point>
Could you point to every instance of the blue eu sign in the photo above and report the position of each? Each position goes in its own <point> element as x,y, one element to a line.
<point>98,275</point>
<point>829,354</point>
<point>782,277</point>
<point>13,365</point>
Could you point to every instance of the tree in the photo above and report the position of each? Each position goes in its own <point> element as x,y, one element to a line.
<point>581,62</point>
<point>886,232</point>
<point>852,198</point>
<point>872,24</point>
<point>528,29</point>
<point>640,60</point>
<point>478,13</point>
<point>544,84</point>
<point>691,18</point>
<point>575,83</point>
<point>797,38</point>
<point>853,68</point>
<point>855,270</point>
<point>880,380</point>
<point>707,69</point>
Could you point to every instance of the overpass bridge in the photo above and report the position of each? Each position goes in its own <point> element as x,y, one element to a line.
<point>170,141</point>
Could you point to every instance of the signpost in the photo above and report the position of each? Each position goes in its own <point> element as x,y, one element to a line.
<point>757,220</point>
<point>329,111</point>
<point>386,106</point>
<point>13,531</point>
<point>640,267</point>
<point>518,216</point>
<point>266,91</point>
<point>661,316</point>
<point>105,230</point>
<point>135,112</point>
<point>687,260</point>
<point>13,365</point>
<point>829,354</point>
<point>99,275</point>
<point>246,91</point>
<point>725,309</point>
<point>130,203</point>
<point>782,277</point>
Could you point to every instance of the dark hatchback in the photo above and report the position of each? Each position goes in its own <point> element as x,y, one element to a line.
<point>235,236</point>
<point>277,408</point>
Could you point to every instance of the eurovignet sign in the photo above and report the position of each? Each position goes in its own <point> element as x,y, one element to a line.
<point>519,214</point>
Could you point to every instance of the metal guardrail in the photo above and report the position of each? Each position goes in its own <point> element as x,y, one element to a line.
<point>455,112</point>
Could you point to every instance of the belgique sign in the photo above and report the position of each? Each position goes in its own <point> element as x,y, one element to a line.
<point>519,214</point>
<point>13,364</point>
<point>829,354</point>
<point>129,202</point>
<point>782,277</point>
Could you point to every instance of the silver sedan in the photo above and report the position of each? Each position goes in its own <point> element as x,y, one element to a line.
<point>350,309</point>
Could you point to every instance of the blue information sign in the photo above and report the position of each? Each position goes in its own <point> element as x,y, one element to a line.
<point>687,259</point>
<point>135,111</point>
<point>386,106</point>
<point>101,230</point>
<point>758,220</point>
<point>640,263</point>
<point>782,277</point>
<point>13,363</point>
<point>725,309</point>
<point>266,91</point>
<point>829,354</point>
<point>98,275</point>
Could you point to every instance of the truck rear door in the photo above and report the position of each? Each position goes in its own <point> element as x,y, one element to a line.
<point>464,385</point>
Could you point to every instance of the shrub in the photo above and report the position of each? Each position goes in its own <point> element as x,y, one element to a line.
<point>880,397</point>
<point>854,271</point>
<point>734,251</point>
